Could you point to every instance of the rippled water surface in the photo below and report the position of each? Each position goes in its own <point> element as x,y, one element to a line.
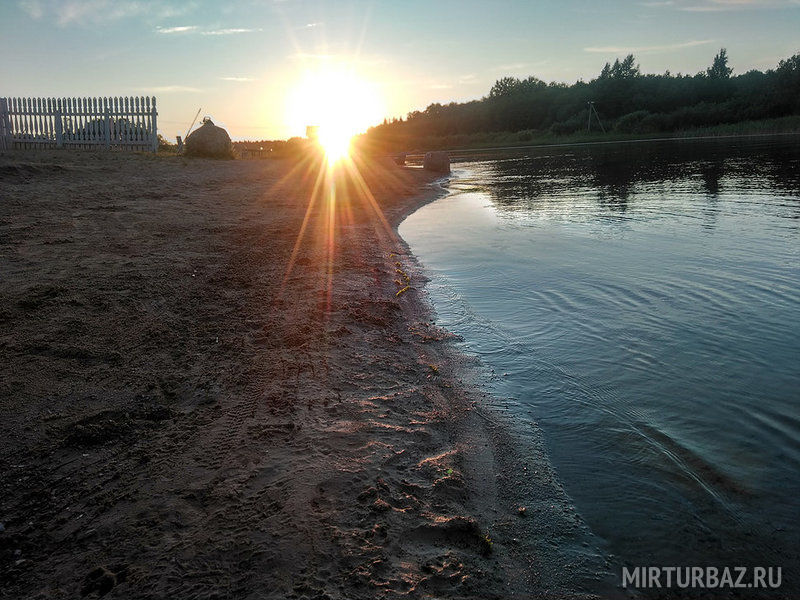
<point>641,303</point>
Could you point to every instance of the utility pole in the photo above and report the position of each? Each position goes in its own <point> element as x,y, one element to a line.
<point>590,104</point>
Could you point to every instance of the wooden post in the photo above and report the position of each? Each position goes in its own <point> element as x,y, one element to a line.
<point>4,129</point>
<point>59,125</point>
<point>107,123</point>
<point>155,127</point>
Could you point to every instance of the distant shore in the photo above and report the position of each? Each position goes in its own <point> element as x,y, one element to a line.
<point>525,139</point>
<point>186,413</point>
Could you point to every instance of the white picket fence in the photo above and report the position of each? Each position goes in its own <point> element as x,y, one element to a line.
<point>90,123</point>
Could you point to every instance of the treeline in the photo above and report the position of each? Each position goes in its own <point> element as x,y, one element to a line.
<point>626,102</point>
<point>291,148</point>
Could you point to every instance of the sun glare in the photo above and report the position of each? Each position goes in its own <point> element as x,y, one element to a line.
<point>337,101</point>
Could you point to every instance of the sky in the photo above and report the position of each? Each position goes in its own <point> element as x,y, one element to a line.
<point>247,63</point>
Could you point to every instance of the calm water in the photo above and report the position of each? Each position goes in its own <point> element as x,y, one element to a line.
<point>641,303</point>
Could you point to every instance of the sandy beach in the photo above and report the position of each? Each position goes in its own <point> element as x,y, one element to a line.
<point>212,387</point>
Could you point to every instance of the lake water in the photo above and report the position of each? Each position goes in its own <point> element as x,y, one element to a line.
<point>641,303</point>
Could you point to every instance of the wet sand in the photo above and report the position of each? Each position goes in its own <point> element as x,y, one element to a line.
<point>195,405</point>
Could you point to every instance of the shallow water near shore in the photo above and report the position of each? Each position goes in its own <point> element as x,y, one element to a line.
<point>641,303</point>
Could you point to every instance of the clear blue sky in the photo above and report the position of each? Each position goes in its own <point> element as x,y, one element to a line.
<point>240,59</point>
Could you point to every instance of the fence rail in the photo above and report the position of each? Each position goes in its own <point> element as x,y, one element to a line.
<point>112,123</point>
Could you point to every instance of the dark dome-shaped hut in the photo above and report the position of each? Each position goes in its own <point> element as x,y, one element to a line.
<point>209,141</point>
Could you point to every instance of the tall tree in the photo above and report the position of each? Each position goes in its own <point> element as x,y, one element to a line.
<point>719,69</point>
<point>628,69</point>
<point>504,87</point>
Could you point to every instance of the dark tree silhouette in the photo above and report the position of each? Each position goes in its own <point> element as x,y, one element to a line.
<point>503,87</point>
<point>508,86</point>
<point>627,69</point>
<point>719,69</point>
<point>518,110</point>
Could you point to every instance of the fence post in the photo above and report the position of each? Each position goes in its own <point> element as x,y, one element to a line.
<point>5,130</point>
<point>59,126</point>
<point>107,122</point>
<point>155,128</point>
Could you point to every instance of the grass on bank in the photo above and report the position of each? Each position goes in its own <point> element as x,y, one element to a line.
<point>489,140</point>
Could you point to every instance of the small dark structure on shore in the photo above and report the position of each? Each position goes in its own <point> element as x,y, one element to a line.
<point>437,161</point>
<point>209,141</point>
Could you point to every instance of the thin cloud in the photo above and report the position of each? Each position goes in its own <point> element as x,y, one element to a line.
<point>645,49</point>
<point>83,12</point>
<point>178,29</point>
<point>237,79</point>
<point>230,31</point>
<point>195,29</point>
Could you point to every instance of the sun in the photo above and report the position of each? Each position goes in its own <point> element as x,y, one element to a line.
<point>336,100</point>
<point>335,140</point>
